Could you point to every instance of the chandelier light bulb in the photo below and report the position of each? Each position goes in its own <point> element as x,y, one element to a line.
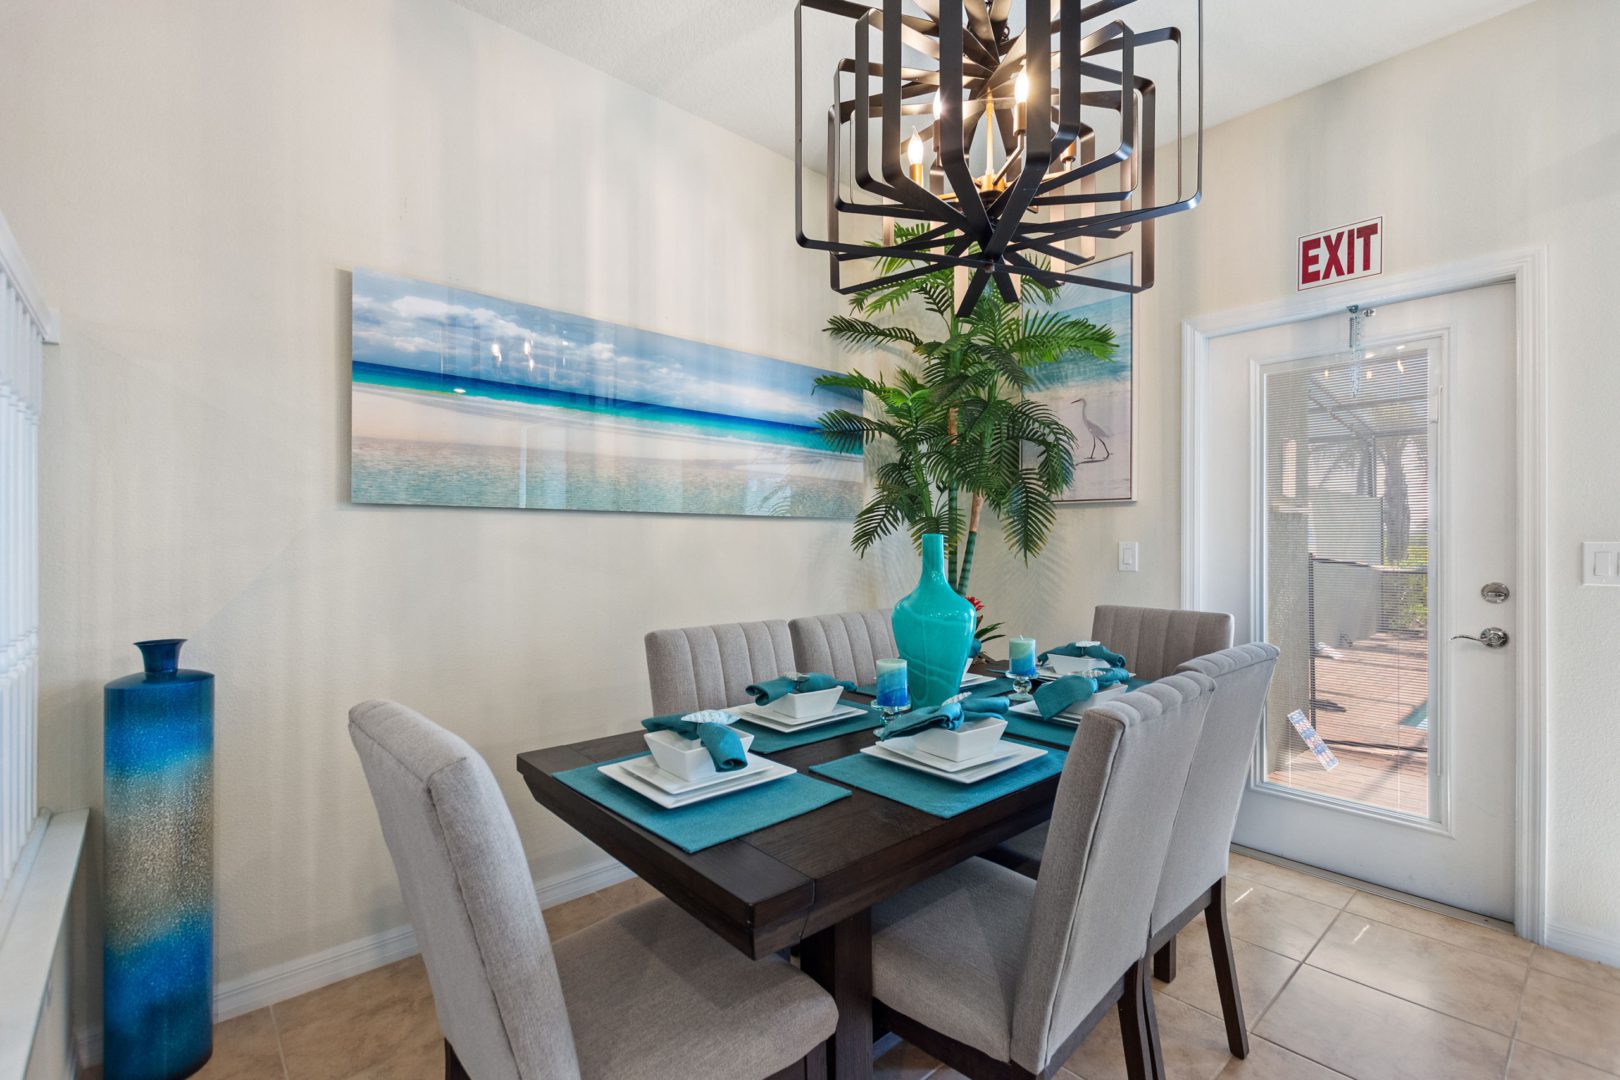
<point>914,149</point>
<point>495,351</point>
<point>1021,88</point>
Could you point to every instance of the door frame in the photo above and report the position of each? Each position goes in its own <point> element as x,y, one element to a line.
<point>1525,270</point>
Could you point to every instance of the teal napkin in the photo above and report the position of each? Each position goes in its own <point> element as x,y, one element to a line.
<point>1095,652</point>
<point>1059,694</point>
<point>1115,674</point>
<point>768,690</point>
<point>718,739</point>
<point>949,716</point>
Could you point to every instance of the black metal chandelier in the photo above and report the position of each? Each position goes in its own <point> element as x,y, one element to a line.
<point>951,88</point>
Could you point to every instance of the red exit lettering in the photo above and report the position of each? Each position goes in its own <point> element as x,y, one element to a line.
<point>1341,254</point>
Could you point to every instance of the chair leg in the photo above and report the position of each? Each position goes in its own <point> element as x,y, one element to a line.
<point>1220,947</point>
<point>1150,1020</point>
<point>453,1069</point>
<point>1133,1023</point>
<point>1164,962</point>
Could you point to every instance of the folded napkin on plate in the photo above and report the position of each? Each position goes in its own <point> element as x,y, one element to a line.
<point>708,728</point>
<point>1095,652</point>
<point>768,690</point>
<point>1113,675</point>
<point>1060,694</point>
<point>950,716</point>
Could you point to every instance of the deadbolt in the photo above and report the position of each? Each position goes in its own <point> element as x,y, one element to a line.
<point>1495,592</point>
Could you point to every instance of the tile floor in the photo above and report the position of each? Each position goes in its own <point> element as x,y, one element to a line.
<point>1335,983</point>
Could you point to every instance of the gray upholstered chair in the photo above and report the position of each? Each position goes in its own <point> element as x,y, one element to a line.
<point>1001,976</point>
<point>650,993</point>
<point>708,667</point>
<point>1194,880</point>
<point>845,646</point>
<point>1155,641</point>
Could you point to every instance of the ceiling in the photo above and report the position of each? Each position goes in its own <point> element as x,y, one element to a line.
<point>731,61</point>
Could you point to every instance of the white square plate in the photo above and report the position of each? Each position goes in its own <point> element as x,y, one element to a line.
<point>618,773</point>
<point>766,717</point>
<point>646,768</point>
<point>972,679</point>
<point>907,745</point>
<point>1024,753</point>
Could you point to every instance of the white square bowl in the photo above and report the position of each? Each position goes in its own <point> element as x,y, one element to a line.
<point>974,739</point>
<point>1075,665</point>
<point>686,758</point>
<point>808,706</point>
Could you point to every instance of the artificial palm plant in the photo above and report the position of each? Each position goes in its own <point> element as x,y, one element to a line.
<point>956,421</point>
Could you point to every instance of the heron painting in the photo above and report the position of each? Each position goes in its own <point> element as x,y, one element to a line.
<point>1096,398</point>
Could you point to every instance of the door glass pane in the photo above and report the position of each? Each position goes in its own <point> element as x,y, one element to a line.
<point>1346,567</point>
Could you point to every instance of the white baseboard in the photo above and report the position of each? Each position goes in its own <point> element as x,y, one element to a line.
<point>279,982</point>
<point>1567,939</point>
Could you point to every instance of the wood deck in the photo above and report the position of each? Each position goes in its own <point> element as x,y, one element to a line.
<point>1363,692</point>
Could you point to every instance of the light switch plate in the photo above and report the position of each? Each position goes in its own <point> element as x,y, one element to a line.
<point>1600,562</point>
<point>1128,556</point>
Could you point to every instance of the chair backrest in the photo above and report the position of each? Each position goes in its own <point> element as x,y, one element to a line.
<point>1209,807</point>
<point>470,897</point>
<point>1156,641</point>
<point>845,646</point>
<point>1110,828</point>
<point>708,667</point>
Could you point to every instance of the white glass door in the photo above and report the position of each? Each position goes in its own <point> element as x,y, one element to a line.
<point>1353,509</point>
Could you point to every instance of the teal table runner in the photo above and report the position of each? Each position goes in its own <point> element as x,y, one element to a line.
<point>942,798</point>
<point>767,741</point>
<point>714,821</point>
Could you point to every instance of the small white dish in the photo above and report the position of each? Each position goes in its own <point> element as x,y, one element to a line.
<point>1018,754</point>
<point>766,717</point>
<point>974,739</point>
<point>617,772</point>
<point>686,759</point>
<point>808,706</point>
<point>646,768</point>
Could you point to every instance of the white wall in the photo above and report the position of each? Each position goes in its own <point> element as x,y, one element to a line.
<point>193,180</point>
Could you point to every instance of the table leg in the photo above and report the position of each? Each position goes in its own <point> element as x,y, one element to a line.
<point>840,959</point>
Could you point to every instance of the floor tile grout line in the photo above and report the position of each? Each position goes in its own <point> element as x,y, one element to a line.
<point>1433,937</point>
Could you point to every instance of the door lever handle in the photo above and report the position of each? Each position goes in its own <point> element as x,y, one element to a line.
<point>1492,637</point>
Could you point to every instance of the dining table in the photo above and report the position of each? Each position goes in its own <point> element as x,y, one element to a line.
<point>810,881</point>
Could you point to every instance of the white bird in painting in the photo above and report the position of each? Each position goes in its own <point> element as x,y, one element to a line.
<point>1098,435</point>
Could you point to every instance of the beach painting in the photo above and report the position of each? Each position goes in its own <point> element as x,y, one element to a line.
<point>461,399</point>
<point>1096,398</point>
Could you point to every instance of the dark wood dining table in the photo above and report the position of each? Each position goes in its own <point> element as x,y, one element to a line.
<point>809,881</point>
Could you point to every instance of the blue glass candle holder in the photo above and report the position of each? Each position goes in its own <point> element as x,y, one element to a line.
<point>1021,664</point>
<point>893,695</point>
<point>158,799</point>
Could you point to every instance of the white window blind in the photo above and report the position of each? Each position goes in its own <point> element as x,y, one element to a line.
<point>25,326</point>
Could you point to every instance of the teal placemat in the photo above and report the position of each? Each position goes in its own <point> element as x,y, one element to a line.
<point>1042,731</point>
<point>767,741</point>
<point>942,798</point>
<point>705,824</point>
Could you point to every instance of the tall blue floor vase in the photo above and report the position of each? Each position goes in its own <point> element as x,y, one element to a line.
<point>158,800</point>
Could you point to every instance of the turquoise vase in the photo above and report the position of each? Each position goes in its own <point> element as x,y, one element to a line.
<point>933,628</point>
<point>158,802</point>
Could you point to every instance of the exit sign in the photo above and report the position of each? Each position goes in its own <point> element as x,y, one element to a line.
<point>1350,251</point>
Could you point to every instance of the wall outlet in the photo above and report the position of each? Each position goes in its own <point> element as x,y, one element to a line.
<point>1128,561</point>
<point>1600,562</point>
